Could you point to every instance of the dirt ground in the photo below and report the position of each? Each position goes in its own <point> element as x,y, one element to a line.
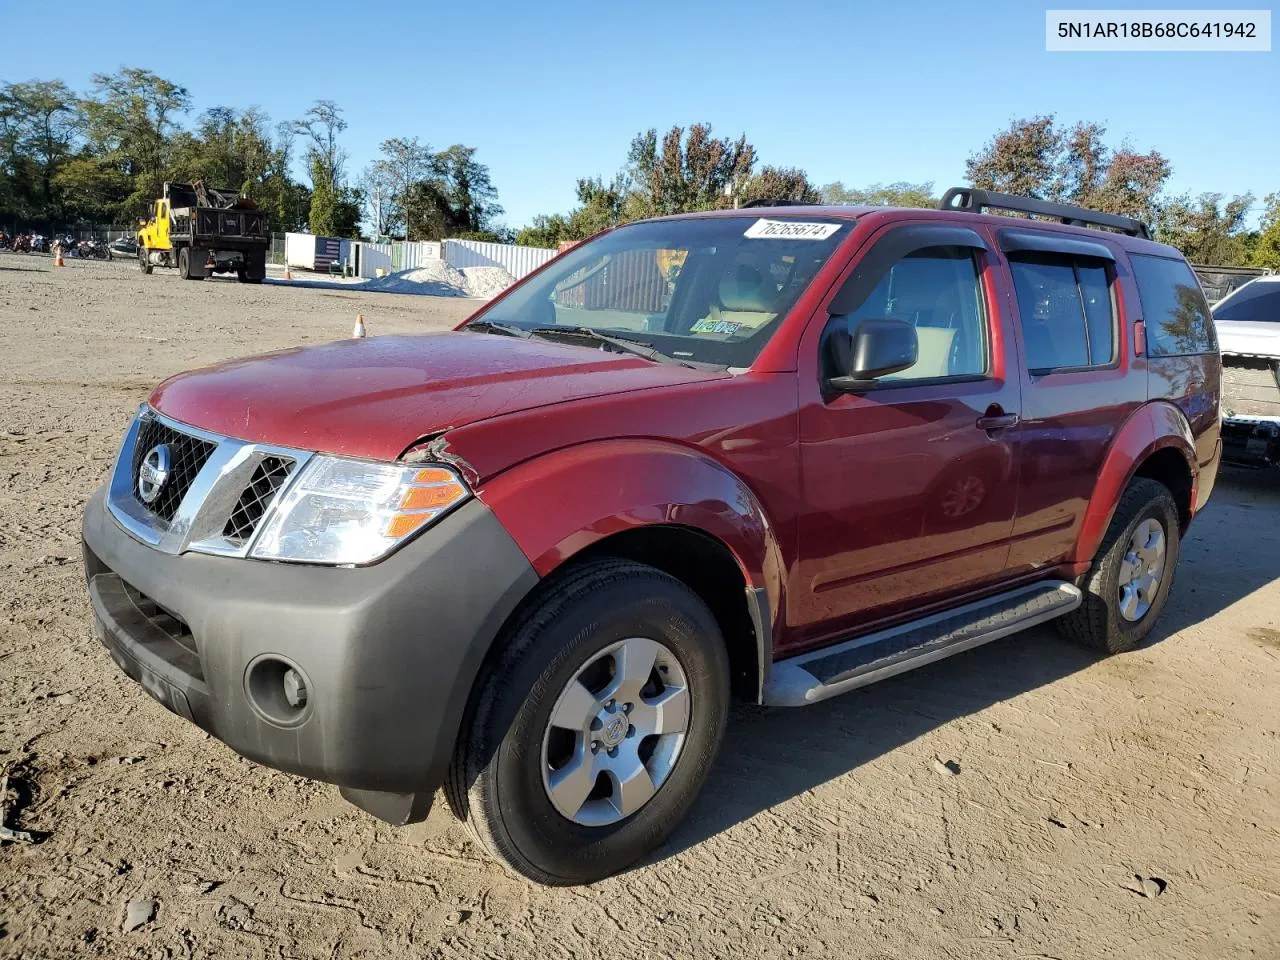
<point>840,829</point>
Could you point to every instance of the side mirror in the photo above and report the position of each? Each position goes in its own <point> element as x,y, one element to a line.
<point>876,349</point>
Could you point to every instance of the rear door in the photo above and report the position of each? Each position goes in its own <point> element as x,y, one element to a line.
<point>1077,386</point>
<point>909,487</point>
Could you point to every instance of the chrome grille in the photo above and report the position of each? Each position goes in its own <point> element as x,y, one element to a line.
<point>267,480</point>
<point>189,454</point>
<point>219,492</point>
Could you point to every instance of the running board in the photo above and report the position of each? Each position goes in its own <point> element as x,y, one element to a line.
<point>824,673</point>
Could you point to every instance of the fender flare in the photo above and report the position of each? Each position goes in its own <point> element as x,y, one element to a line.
<point>1154,426</point>
<point>562,502</point>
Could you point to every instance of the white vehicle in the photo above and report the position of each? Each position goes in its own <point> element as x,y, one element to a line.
<point>1248,322</point>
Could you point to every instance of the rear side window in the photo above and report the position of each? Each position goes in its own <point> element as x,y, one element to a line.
<point>1065,306</point>
<point>1259,302</point>
<point>1173,307</point>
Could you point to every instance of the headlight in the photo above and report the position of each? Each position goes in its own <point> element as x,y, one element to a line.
<point>353,511</point>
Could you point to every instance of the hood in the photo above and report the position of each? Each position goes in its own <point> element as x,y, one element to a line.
<point>1250,338</point>
<point>374,397</point>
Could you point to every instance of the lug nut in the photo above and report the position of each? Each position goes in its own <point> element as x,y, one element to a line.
<point>613,751</point>
<point>595,747</point>
<point>596,724</point>
<point>628,707</point>
<point>631,731</point>
<point>609,705</point>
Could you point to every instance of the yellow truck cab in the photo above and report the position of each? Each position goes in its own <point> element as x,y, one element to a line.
<point>203,231</point>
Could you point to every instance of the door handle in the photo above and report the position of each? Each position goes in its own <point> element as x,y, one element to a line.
<point>997,421</point>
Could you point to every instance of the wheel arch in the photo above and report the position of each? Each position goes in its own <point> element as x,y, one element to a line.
<point>660,503</point>
<point>1154,442</point>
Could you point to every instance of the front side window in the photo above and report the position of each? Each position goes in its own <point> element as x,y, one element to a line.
<point>709,290</point>
<point>937,291</point>
<point>1066,313</point>
<point>1173,306</point>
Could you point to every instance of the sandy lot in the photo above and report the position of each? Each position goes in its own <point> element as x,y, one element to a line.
<point>832,830</point>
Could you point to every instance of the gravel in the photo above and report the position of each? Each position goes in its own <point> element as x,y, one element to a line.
<point>1164,761</point>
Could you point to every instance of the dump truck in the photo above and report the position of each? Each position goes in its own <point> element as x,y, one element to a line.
<point>204,231</point>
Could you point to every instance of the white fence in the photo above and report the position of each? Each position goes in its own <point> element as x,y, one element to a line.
<point>365,259</point>
<point>372,257</point>
<point>517,261</point>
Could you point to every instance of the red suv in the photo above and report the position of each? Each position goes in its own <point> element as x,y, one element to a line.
<point>781,452</point>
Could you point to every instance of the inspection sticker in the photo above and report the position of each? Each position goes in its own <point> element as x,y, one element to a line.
<point>790,230</point>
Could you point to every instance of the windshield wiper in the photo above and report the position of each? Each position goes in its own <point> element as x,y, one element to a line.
<point>626,344</point>
<point>492,326</point>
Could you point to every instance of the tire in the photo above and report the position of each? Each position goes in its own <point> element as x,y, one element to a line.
<point>1106,621</point>
<point>184,263</point>
<point>500,781</point>
<point>144,261</point>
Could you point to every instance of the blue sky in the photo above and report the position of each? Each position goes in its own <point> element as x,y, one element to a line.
<point>852,91</point>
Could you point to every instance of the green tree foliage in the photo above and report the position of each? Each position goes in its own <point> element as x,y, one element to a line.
<point>898,194</point>
<point>456,198</point>
<point>687,170</point>
<point>1033,157</point>
<point>386,181</point>
<point>1208,229</point>
<point>1266,248</point>
<point>40,126</point>
<point>132,115</point>
<point>779,183</point>
<point>335,207</point>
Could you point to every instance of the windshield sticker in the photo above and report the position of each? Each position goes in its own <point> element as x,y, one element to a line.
<point>708,325</point>
<point>790,230</point>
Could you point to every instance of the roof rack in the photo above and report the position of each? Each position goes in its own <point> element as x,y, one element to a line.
<point>767,202</point>
<point>973,200</point>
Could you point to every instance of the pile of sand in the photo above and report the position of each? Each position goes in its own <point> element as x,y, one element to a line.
<point>437,279</point>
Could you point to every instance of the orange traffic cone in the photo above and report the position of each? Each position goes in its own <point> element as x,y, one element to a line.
<point>287,274</point>
<point>358,331</point>
<point>57,255</point>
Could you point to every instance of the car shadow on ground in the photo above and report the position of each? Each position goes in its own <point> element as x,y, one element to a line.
<point>771,755</point>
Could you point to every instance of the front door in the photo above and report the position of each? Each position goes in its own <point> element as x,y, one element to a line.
<point>909,486</point>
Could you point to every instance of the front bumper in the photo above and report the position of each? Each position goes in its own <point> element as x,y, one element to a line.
<point>388,652</point>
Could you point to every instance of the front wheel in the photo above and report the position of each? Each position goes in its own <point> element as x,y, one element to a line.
<point>1128,585</point>
<point>594,730</point>
<point>144,260</point>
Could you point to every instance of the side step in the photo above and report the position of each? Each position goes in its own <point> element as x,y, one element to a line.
<point>824,673</point>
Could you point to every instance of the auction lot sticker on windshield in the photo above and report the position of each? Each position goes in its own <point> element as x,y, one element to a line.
<point>790,230</point>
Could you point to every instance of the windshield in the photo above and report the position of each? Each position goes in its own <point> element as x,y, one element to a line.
<point>709,290</point>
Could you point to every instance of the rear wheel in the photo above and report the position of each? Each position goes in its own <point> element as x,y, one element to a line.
<point>1128,585</point>
<point>184,263</point>
<point>593,732</point>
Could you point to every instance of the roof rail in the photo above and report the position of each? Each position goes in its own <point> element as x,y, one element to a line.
<point>767,202</point>
<point>974,200</point>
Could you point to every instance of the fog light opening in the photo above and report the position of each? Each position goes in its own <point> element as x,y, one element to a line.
<point>277,690</point>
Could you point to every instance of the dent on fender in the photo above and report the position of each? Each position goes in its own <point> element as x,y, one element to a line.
<point>633,483</point>
<point>1153,426</point>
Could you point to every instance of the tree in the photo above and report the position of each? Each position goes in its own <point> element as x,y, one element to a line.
<point>779,183</point>
<point>1207,230</point>
<point>687,171</point>
<point>326,162</point>
<point>546,230</point>
<point>386,181</point>
<point>131,118</point>
<point>456,198</point>
<point>898,194</point>
<point>1034,158</point>
<point>1266,250</point>
<point>40,125</point>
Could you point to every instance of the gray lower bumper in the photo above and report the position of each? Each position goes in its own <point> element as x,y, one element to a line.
<point>389,652</point>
